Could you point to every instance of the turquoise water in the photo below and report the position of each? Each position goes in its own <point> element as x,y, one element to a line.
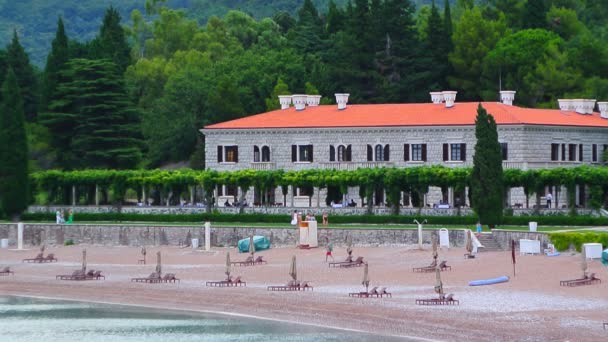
<point>39,320</point>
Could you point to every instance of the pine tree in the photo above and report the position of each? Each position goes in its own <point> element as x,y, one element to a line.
<point>56,61</point>
<point>436,48</point>
<point>534,14</point>
<point>3,67</point>
<point>19,61</point>
<point>14,178</point>
<point>280,88</point>
<point>448,26</point>
<point>487,177</point>
<point>92,121</point>
<point>111,43</point>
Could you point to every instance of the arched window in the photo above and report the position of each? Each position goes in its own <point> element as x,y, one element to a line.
<point>387,154</point>
<point>379,153</point>
<point>349,154</point>
<point>256,154</point>
<point>341,152</point>
<point>265,154</point>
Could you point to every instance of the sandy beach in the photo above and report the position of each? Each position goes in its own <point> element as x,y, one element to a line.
<point>530,307</point>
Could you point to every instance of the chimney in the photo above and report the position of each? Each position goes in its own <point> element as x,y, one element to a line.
<point>577,105</point>
<point>285,101</point>
<point>565,104</point>
<point>313,100</point>
<point>588,106</point>
<point>603,109</point>
<point>449,97</point>
<point>299,101</point>
<point>507,97</point>
<point>342,100</point>
<point>436,97</point>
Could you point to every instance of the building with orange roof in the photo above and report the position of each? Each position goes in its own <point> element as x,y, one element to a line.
<point>312,136</point>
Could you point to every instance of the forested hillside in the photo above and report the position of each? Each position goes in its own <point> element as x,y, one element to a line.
<point>135,93</point>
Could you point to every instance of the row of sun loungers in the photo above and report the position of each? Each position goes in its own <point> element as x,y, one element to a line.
<point>443,266</point>
<point>358,262</point>
<point>588,280</point>
<point>448,300</point>
<point>41,259</point>
<point>227,283</point>
<point>373,292</point>
<point>250,261</point>
<point>79,275</point>
<point>292,286</point>
<point>6,271</point>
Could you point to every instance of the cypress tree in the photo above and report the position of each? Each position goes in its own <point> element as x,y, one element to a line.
<point>3,67</point>
<point>436,47</point>
<point>19,61</point>
<point>535,12</point>
<point>487,177</point>
<point>448,26</point>
<point>55,61</point>
<point>14,181</point>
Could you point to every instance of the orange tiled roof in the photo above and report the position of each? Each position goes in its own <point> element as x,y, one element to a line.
<point>410,114</point>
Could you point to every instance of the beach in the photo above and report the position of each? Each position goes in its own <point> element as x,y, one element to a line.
<point>531,306</point>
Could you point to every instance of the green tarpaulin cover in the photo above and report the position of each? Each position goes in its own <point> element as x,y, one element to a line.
<point>260,242</point>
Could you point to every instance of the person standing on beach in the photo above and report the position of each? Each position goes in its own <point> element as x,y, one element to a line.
<point>478,228</point>
<point>328,249</point>
<point>70,217</point>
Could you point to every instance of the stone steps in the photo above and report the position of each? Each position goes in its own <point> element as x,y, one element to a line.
<point>489,243</point>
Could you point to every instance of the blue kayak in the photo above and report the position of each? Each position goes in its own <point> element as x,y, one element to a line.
<point>260,242</point>
<point>498,280</point>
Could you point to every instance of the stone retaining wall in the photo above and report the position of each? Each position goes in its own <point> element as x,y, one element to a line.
<point>504,237</point>
<point>137,235</point>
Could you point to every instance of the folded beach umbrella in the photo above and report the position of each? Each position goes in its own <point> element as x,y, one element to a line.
<point>84,261</point>
<point>251,246</point>
<point>438,282</point>
<point>42,248</point>
<point>293,270</point>
<point>434,239</point>
<point>227,265</point>
<point>158,266</point>
<point>349,245</point>
<point>469,242</point>
<point>365,281</point>
<point>584,261</point>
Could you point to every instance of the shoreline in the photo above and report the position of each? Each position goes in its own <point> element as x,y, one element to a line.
<point>531,306</point>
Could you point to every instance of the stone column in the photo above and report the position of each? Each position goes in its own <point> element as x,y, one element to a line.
<point>143,194</point>
<point>73,195</point>
<point>20,235</point>
<point>318,193</point>
<point>207,236</point>
<point>96,194</point>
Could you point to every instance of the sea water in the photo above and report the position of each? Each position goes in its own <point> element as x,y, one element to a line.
<point>41,320</point>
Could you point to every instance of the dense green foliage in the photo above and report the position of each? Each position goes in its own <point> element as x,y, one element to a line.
<point>563,241</point>
<point>14,179</point>
<point>487,189</point>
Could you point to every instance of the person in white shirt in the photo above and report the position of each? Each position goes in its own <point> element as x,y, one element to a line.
<point>549,197</point>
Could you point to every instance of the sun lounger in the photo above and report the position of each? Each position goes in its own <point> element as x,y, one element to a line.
<point>38,258</point>
<point>349,259</point>
<point>442,266</point>
<point>448,300</point>
<point>49,258</point>
<point>305,286</point>
<point>247,262</point>
<point>383,293</point>
<point>6,271</point>
<point>469,256</point>
<point>358,262</point>
<point>152,278</point>
<point>588,280</point>
<point>227,283</point>
<point>76,275</point>
<point>170,278</point>
<point>292,285</point>
<point>259,260</point>
<point>96,275</point>
<point>371,293</point>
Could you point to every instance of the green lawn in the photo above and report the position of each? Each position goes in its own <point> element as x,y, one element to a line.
<point>345,225</point>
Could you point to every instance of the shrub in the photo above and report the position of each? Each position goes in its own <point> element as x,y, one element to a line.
<point>68,242</point>
<point>563,241</point>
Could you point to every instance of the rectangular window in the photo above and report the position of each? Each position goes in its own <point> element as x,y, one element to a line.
<point>580,152</point>
<point>445,152</point>
<point>231,154</point>
<point>423,152</point>
<point>455,152</point>
<point>301,153</point>
<point>571,152</point>
<point>505,151</point>
<point>563,151</point>
<point>220,154</point>
<point>406,152</point>
<point>594,153</point>
<point>554,152</point>
<point>417,152</point>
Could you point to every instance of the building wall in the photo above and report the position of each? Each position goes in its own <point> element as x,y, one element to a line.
<point>529,147</point>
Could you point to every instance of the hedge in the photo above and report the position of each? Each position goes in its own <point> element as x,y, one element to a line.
<point>563,241</point>
<point>372,219</point>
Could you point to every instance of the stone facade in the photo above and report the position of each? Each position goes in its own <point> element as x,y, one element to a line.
<point>529,147</point>
<point>137,235</point>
